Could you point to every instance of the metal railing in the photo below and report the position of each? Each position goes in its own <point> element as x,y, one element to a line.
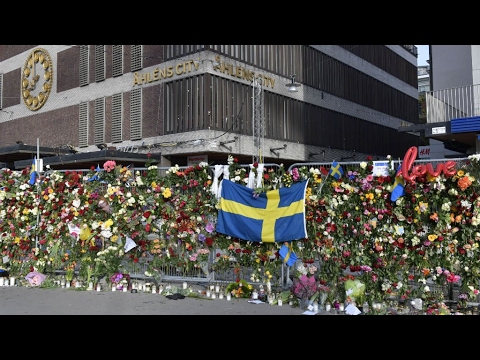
<point>445,105</point>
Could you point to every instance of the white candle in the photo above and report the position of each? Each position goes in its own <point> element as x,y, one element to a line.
<point>184,285</point>
<point>99,287</point>
<point>328,307</point>
<point>12,280</point>
<point>217,288</point>
<point>212,287</point>
<point>315,307</point>
<point>341,307</point>
<point>229,297</point>
<point>90,285</point>
<point>213,295</point>
<point>67,284</point>
<point>208,293</point>
<point>114,287</point>
<point>280,302</point>
<point>1,281</point>
<point>254,295</point>
<point>125,288</point>
<point>220,296</point>
<point>154,289</point>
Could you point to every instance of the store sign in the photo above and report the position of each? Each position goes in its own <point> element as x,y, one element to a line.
<point>196,159</point>
<point>424,152</point>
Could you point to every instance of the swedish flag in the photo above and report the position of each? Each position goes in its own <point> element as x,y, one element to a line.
<point>287,254</point>
<point>95,176</point>
<point>33,172</point>
<point>398,189</point>
<point>336,170</point>
<point>273,216</point>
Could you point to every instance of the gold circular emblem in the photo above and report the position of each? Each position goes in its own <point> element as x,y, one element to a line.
<point>37,79</point>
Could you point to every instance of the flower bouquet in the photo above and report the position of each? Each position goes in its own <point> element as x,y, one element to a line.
<point>239,289</point>
<point>462,301</point>
<point>120,280</point>
<point>305,289</point>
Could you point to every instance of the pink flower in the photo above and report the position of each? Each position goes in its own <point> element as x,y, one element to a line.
<point>109,165</point>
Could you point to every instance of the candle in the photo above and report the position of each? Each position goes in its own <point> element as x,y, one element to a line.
<point>154,289</point>
<point>125,289</point>
<point>12,280</point>
<point>280,302</point>
<point>147,287</point>
<point>185,285</point>
<point>67,284</point>
<point>213,295</point>
<point>229,297</point>
<point>328,307</point>
<point>90,285</point>
<point>62,283</point>
<point>99,287</point>
<point>114,287</point>
<point>341,307</point>
<point>254,295</point>
<point>315,307</point>
<point>208,293</point>
<point>220,296</point>
<point>217,288</point>
<point>1,281</point>
<point>212,287</point>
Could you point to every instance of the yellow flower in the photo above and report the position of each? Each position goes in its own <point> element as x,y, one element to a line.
<point>85,232</point>
<point>108,223</point>
<point>167,193</point>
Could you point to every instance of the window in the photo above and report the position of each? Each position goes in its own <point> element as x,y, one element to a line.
<point>99,63</point>
<point>83,125</point>
<point>99,121</point>
<point>83,65</point>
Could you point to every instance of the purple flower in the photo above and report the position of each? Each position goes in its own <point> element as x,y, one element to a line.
<point>210,227</point>
<point>201,237</point>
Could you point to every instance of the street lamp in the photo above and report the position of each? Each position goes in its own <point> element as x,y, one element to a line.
<point>292,86</point>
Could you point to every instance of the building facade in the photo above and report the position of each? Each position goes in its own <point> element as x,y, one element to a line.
<point>452,103</point>
<point>194,103</point>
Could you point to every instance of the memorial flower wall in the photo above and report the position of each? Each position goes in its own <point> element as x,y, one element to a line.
<point>428,236</point>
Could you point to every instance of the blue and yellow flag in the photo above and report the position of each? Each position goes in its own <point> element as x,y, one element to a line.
<point>398,189</point>
<point>33,172</point>
<point>273,216</point>
<point>287,254</point>
<point>336,170</point>
<point>95,176</point>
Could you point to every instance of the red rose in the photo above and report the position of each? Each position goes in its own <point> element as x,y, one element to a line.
<point>209,241</point>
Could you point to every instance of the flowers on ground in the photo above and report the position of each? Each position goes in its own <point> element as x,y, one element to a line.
<point>304,287</point>
<point>240,289</point>
<point>120,280</point>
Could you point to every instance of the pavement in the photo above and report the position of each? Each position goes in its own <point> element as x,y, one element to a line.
<point>22,300</point>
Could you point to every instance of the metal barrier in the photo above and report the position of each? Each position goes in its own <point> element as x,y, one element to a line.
<point>205,274</point>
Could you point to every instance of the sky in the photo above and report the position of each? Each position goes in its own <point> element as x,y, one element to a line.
<point>423,55</point>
